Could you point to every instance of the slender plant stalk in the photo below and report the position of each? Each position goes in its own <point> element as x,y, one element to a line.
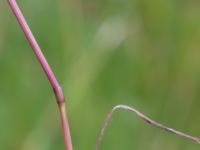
<point>49,73</point>
<point>146,119</point>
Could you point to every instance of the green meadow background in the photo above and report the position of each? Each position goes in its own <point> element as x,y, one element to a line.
<point>142,53</point>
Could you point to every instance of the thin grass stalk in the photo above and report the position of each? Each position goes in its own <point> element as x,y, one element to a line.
<point>147,120</point>
<point>47,69</point>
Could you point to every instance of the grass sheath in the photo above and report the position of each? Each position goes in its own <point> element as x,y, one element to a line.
<point>147,120</point>
<point>47,69</point>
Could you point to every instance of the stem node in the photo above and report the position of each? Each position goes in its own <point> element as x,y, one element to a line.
<point>60,98</point>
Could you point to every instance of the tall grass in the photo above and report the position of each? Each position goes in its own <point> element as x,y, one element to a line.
<point>155,68</point>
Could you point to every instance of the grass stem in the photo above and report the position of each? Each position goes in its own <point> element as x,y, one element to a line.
<point>47,69</point>
<point>146,119</point>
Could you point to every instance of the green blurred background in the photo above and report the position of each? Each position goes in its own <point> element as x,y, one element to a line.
<point>104,52</point>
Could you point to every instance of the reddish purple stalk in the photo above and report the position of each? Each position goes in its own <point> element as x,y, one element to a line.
<point>146,119</point>
<point>49,73</point>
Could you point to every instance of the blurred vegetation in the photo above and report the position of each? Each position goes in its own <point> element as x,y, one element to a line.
<point>104,52</point>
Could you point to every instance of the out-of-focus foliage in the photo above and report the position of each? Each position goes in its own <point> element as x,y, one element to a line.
<point>104,52</point>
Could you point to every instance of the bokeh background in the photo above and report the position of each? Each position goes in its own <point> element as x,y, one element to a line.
<point>142,53</point>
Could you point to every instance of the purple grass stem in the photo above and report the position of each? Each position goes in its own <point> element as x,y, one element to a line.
<point>49,73</point>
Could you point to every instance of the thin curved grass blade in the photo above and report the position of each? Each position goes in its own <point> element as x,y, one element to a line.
<point>147,120</point>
